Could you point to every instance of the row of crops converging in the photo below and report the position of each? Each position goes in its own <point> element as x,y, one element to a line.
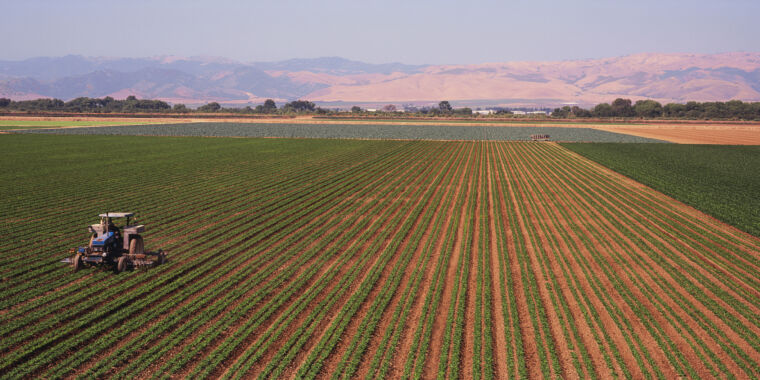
<point>372,259</point>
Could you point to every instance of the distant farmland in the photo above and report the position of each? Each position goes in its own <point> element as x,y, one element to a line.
<point>355,131</point>
<point>305,258</point>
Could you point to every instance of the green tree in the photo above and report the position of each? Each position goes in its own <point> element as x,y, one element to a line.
<point>580,112</point>
<point>356,109</point>
<point>736,109</point>
<point>563,112</point>
<point>211,107</point>
<point>269,106</point>
<point>180,108</point>
<point>466,111</point>
<point>674,110</point>
<point>622,108</point>
<point>603,110</point>
<point>300,106</point>
<point>445,106</point>
<point>647,109</point>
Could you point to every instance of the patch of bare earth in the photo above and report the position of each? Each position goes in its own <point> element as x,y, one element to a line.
<point>706,134</point>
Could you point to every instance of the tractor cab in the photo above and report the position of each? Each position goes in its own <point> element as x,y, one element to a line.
<point>108,236</point>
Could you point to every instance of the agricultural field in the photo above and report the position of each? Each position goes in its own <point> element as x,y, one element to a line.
<point>726,134</point>
<point>313,258</point>
<point>354,131</point>
<point>722,181</point>
<point>9,124</point>
<point>515,121</point>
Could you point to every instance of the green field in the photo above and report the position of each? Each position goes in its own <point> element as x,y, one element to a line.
<point>355,131</point>
<point>723,181</point>
<point>314,258</point>
<point>27,124</point>
<point>475,121</point>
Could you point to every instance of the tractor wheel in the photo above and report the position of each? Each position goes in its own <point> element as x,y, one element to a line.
<point>121,264</point>
<point>136,246</point>
<point>77,262</point>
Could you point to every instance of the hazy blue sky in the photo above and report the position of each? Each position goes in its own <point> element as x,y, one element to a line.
<point>409,31</point>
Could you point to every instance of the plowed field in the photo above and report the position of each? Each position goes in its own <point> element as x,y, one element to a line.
<point>686,134</point>
<point>379,259</point>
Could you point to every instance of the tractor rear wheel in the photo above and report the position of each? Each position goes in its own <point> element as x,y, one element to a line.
<point>136,246</point>
<point>77,262</point>
<point>121,264</point>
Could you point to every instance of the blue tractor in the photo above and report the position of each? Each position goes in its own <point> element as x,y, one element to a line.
<point>115,247</point>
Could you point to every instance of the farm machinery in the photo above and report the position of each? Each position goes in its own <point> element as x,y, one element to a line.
<point>115,247</point>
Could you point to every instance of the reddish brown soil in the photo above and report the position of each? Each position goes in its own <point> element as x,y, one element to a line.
<point>608,324</point>
<point>527,331</point>
<point>439,325</point>
<point>332,362</point>
<point>323,270</point>
<point>325,323</point>
<point>659,229</point>
<point>416,315</point>
<point>416,262</point>
<point>472,284</point>
<point>217,281</point>
<point>593,219</point>
<point>584,232</point>
<point>492,259</point>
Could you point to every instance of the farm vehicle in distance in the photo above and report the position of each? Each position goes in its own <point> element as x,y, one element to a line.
<point>111,246</point>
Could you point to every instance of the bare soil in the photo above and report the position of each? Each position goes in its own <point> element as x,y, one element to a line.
<point>686,134</point>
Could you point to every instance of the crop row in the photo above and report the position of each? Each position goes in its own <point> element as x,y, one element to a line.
<point>372,259</point>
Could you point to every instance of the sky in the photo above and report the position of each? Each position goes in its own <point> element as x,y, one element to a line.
<point>412,32</point>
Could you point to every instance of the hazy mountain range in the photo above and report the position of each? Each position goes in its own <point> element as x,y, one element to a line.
<point>196,80</point>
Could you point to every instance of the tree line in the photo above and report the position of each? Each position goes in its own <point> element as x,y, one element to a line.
<point>105,105</point>
<point>650,109</point>
<point>619,108</point>
<point>133,105</point>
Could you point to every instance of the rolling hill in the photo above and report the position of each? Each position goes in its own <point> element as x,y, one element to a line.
<point>195,80</point>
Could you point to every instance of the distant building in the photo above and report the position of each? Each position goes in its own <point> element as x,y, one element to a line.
<point>483,112</point>
<point>537,113</point>
<point>371,110</point>
<point>518,112</point>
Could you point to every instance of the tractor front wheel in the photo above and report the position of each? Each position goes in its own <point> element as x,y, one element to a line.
<point>121,264</point>
<point>77,262</point>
